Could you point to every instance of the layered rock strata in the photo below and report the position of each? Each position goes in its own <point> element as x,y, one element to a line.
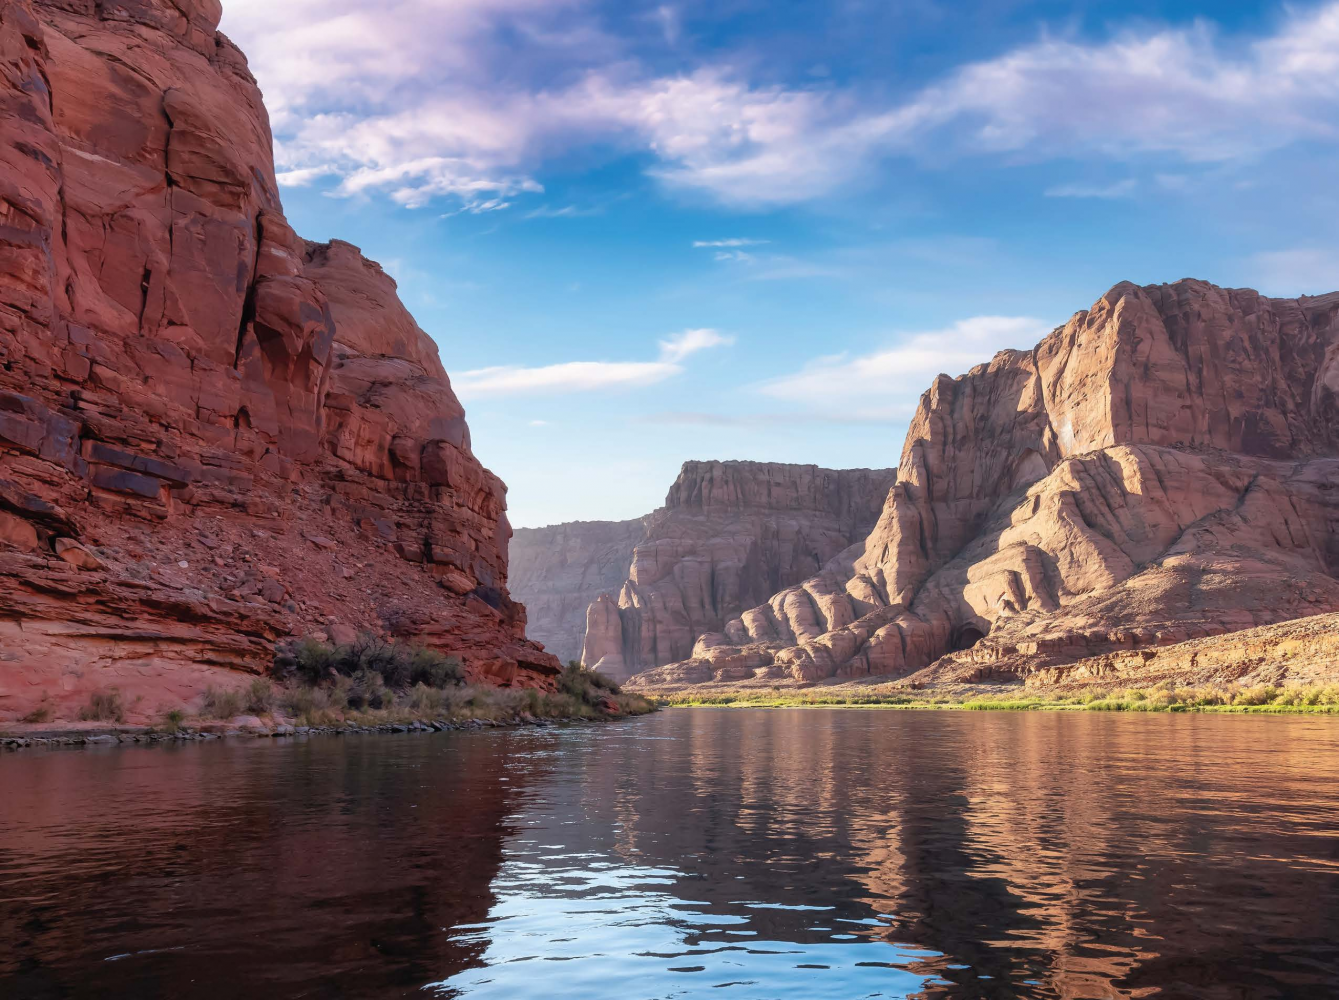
<point>557,572</point>
<point>730,533</point>
<point>212,433</point>
<point>1160,468</point>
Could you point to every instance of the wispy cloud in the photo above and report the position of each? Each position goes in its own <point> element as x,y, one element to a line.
<point>736,242</point>
<point>552,212</point>
<point>570,376</point>
<point>887,383</point>
<point>776,421</point>
<point>1120,189</point>
<point>421,99</point>
<point>674,349</point>
<point>589,376</point>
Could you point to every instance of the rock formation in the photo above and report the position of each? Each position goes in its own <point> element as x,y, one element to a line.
<point>212,433</point>
<point>558,571</point>
<point>730,533</point>
<point>1160,468</point>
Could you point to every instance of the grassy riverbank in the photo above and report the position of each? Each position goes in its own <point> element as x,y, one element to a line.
<point>371,682</point>
<point>1315,699</point>
<point>366,686</point>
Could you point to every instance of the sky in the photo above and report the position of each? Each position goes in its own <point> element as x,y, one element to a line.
<point>649,232</point>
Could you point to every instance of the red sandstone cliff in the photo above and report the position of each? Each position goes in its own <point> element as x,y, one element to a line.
<point>558,571</point>
<point>730,533</point>
<point>212,433</point>
<point>1160,468</point>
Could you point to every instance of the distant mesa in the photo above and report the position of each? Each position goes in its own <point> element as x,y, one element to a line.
<point>730,535</point>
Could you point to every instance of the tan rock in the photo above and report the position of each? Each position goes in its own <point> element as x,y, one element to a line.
<point>558,571</point>
<point>729,534</point>
<point>1154,470</point>
<point>76,555</point>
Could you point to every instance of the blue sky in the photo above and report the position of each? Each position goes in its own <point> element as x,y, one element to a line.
<point>650,232</point>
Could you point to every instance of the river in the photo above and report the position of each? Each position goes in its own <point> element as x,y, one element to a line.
<point>695,853</point>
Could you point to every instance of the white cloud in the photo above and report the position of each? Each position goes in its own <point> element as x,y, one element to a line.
<point>467,99</point>
<point>737,242</point>
<point>549,212</point>
<point>588,376</point>
<point>1299,271</point>
<point>570,376</point>
<point>1120,189</point>
<point>304,176</point>
<point>674,349</point>
<point>888,383</point>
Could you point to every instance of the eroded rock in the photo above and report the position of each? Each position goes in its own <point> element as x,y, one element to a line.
<point>176,364</point>
<point>1154,471</point>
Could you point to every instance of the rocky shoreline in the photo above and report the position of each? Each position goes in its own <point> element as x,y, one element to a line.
<point>124,736</point>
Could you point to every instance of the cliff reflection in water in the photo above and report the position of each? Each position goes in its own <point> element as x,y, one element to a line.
<point>322,869</point>
<point>843,854</point>
<point>697,853</point>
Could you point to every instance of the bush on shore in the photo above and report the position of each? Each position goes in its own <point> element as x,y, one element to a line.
<point>372,681</point>
<point>104,706</point>
<point>399,666</point>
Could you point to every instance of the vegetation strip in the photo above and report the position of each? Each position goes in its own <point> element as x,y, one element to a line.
<point>369,685</point>
<point>1261,699</point>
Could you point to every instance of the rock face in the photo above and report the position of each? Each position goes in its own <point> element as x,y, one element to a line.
<point>730,533</point>
<point>1158,469</point>
<point>191,396</point>
<point>557,572</point>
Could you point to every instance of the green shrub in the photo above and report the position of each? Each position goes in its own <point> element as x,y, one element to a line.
<point>42,713</point>
<point>104,706</point>
<point>588,686</point>
<point>365,689</point>
<point>260,697</point>
<point>314,662</point>
<point>400,666</point>
<point>309,702</point>
<point>1261,694</point>
<point>222,704</point>
<point>173,720</point>
<point>432,669</point>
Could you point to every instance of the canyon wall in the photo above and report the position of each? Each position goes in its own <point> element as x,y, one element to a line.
<point>730,533</point>
<point>213,434</point>
<point>557,571</point>
<point>1158,469</point>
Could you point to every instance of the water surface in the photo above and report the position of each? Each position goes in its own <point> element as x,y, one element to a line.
<point>698,853</point>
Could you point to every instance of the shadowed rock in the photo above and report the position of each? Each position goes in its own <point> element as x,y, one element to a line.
<point>1156,470</point>
<point>195,386</point>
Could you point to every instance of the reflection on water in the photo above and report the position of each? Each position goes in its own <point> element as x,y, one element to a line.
<point>697,853</point>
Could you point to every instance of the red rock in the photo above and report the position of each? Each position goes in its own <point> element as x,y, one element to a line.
<point>729,534</point>
<point>17,532</point>
<point>1156,469</point>
<point>173,356</point>
<point>76,555</point>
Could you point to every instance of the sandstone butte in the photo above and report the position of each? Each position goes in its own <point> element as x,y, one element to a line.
<point>213,434</point>
<point>625,596</point>
<point>1161,470</point>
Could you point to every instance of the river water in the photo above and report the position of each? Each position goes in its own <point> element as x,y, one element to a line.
<point>696,853</point>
